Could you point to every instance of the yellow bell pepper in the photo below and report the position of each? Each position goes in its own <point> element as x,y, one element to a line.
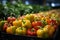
<point>11,30</point>
<point>48,27</point>
<point>40,33</point>
<point>45,35</point>
<point>29,17</point>
<point>20,31</point>
<point>17,23</point>
<point>45,30</point>
<point>26,23</point>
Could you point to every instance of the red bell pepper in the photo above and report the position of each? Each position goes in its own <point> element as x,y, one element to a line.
<point>5,26</point>
<point>53,22</point>
<point>31,32</point>
<point>37,24</point>
<point>11,19</point>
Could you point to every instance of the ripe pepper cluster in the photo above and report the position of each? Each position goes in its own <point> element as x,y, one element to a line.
<point>42,25</point>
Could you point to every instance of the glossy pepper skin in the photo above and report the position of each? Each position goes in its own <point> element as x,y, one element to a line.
<point>46,30</point>
<point>11,30</point>
<point>52,22</point>
<point>40,33</point>
<point>21,31</point>
<point>9,19</point>
<point>49,29</point>
<point>26,24</point>
<point>30,17</point>
<point>17,23</point>
<point>31,32</point>
<point>36,24</point>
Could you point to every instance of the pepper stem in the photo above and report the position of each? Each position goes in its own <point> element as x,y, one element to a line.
<point>21,28</point>
<point>32,29</point>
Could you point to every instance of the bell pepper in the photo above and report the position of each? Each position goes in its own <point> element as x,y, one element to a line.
<point>26,23</point>
<point>52,22</point>
<point>5,26</point>
<point>11,19</point>
<point>44,22</point>
<point>21,17</point>
<point>43,33</point>
<point>40,33</point>
<point>11,30</point>
<point>47,27</point>
<point>31,32</point>
<point>46,30</point>
<point>37,24</point>
<point>30,17</point>
<point>47,20</point>
<point>1,24</point>
<point>21,31</point>
<point>36,18</point>
<point>17,23</point>
<point>51,31</point>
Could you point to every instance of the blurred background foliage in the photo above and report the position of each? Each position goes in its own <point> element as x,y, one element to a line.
<point>19,8</point>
